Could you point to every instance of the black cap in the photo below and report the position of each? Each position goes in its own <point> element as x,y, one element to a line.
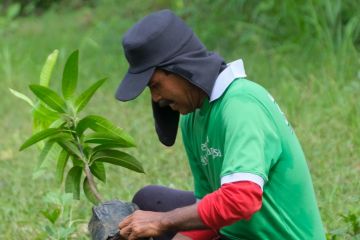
<point>163,40</point>
<point>150,42</point>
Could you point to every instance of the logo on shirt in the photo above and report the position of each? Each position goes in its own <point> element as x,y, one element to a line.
<point>207,151</point>
<point>283,114</point>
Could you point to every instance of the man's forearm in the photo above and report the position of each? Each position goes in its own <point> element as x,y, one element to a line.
<point>142,224</point>
<point>181,219</point>
<point>230,203</point>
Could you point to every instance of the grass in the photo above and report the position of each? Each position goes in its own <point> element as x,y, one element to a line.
<point>311,69</point>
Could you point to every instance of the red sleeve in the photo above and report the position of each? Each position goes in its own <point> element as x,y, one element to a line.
<point>230,203</point>
<point>206,234</point>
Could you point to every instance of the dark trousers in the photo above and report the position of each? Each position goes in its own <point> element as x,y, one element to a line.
<point>162,199</point>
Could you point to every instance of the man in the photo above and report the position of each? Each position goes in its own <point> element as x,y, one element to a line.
<point>251,180</point>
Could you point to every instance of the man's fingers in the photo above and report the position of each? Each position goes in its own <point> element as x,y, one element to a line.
<point>132,237</point>
<point>125,222</point>
<point>140,224</point>
<point>135,233</point>
<point>125,232</point>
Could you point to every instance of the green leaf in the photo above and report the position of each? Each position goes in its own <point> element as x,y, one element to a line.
<point>118,158</point>
<point>70,75</point>
<point>108,139</point>
<point>87,150</point>
<point>43,117</point>
<point>52,214</point>
<point>44,152</point>
<point>48,67</point>
<point>98,170</point>
<point>88,193</point>
<point>72,182</point>
<point>57,123</point>
<point>45,113</point>
<point>105,143</point>
<point>49,97</point>
<point>61,164</point>
<point>64,135</point>
<point>85,97</point>
<point>54,152</point>
<point>70,147</point>
<point>77,162</point>
<point>100,124</point>
<point>66,141</point>
<point>22,97</point>
<point>40,136</point>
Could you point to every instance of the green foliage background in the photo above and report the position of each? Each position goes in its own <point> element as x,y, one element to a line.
<point>306,53</point>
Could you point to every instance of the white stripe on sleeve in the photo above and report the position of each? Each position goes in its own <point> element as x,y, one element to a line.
<point>242,176</point>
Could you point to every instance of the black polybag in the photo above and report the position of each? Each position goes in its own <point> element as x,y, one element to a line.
<point>106,217</point>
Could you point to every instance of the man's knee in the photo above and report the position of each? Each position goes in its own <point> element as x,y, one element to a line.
<point>147,197</point>
<point>161,199</point>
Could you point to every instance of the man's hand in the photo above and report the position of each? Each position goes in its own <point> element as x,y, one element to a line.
<point>142,224</point>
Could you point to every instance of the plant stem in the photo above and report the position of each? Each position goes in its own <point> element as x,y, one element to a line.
<point>91,181</point>
<point>88,173</point>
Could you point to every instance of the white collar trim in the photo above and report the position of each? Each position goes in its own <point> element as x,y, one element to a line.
<point>233,70</point>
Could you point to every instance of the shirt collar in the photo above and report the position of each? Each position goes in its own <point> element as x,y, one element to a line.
<point>233,71</point>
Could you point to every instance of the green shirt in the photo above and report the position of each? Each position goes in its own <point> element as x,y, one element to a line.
<point>243,135</point>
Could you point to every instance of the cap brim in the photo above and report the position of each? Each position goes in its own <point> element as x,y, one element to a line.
<point>133,84</point>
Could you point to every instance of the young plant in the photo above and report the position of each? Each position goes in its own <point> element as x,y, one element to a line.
<point>88,142</point>
<point>58,210</point>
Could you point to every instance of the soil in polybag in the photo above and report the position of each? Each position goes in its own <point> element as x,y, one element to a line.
<point>106,218</point>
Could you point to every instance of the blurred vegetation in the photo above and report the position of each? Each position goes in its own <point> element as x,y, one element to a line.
<point>27,7</point>
<point>306,53</point>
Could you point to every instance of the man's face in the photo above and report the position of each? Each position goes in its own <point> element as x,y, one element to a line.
<point>173,90</point>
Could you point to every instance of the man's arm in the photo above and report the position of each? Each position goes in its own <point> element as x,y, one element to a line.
<point>230,203</point>
<point>145,223</point>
